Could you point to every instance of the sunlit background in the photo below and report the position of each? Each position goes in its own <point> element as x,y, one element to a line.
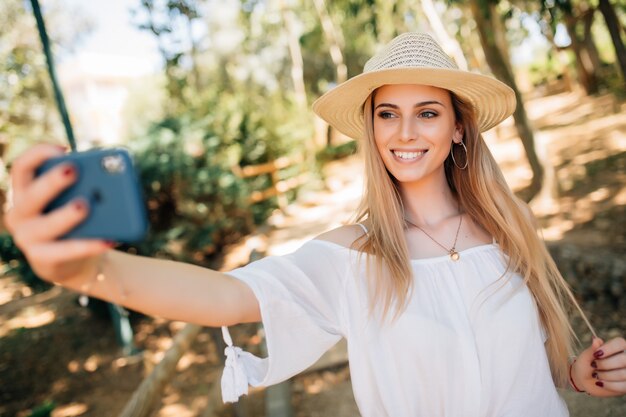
<point>213,99</point>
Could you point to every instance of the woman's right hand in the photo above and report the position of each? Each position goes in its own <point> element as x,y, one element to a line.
<point>66,262</point>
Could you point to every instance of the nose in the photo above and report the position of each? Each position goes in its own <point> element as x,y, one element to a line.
<point>408,129</point>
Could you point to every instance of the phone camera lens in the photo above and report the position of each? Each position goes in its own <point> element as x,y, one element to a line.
<point>113,164</point>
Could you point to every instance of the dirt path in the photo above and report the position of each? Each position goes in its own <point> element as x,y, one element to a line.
<point>51,349</point>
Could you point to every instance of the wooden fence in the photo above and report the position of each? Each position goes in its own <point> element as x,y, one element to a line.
<point>279,186</point>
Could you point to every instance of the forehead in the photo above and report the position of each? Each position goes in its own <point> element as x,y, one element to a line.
<point>412,92</point>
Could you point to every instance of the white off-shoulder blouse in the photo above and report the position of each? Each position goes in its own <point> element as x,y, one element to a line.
<point>468,344</point>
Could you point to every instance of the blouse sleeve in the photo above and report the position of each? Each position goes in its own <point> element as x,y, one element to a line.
<point>300,298</point>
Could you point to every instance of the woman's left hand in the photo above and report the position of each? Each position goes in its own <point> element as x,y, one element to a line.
<point>601,368</point>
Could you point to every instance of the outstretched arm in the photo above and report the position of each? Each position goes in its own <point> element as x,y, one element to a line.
<point>173,290</point>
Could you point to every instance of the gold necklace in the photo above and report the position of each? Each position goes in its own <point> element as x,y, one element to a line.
<point>454,254</point>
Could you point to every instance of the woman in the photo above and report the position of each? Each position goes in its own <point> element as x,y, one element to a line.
<point>449,301</point>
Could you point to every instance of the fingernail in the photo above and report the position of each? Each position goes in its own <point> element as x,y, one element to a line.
<point>594,365</point>
<point>600,383</point>
<point>68,171</point>
<point>79,205</point>
<point>595,375</point>
<point>598,353</point>
<point>109,243</point>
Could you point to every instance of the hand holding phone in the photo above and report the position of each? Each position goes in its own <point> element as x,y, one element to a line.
<point>107,181</point>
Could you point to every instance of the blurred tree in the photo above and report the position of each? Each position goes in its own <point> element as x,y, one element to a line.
<point>27,108</point>
<point>355,21</point>
<point>460,18</point>
<point>27,112</point>
<point>448,43</point>
<point>295,52</point>
<point>247,114</point>
<point>612,23</point>
<point>585,52</point>
<point>189,9</point>
<point>384,12</point>
<point>334,39</point>
<point>483,13</point>
<point>171,22</point>
<point>548,29</point>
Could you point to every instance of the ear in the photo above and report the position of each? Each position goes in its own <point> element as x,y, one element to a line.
<point>457,136</point>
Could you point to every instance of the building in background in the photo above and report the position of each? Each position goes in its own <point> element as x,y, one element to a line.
<point>96,87</point>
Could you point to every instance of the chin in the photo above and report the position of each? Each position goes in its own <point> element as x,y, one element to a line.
<point>413,177</point>
<point>408,180</point>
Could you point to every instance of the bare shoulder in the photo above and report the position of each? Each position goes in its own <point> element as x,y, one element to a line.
<point>343,235</point>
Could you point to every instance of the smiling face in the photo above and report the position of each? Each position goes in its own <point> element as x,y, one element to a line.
<point>414,126</point>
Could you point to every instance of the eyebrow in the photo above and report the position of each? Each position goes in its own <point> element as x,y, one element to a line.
<point>420,104</point>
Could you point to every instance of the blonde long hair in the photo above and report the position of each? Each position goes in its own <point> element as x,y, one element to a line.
<point>484,194</point>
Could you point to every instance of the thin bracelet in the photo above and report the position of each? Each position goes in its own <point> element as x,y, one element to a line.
<point>98,277</point>
<point>83,299</point>
<point>571,380</point>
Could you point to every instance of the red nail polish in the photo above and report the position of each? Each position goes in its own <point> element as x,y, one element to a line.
<point>68,171</point>
<point>79,205</point>
<point>600,383</point>
<point>595,375</point>
<point>109,243</point>
<point>594,364</point>
<point>598,353</point>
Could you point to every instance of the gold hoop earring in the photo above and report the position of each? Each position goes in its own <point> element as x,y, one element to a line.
<point>452,154</point>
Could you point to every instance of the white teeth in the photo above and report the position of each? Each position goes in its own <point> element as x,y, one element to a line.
<point>408,155</point>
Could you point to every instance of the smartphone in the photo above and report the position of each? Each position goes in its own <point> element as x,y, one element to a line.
<point>107,180</point>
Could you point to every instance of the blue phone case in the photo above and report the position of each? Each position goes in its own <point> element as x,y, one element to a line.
<point>107,180</point>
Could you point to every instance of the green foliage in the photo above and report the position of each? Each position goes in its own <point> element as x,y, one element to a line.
<point>26,104</point>
<point>44,410</point>
<point>331,153</point>
<point>187,166</point>
<point>545,71</point>
<point>27,110</point>
<point>171,23</point>
<point>15,263</point>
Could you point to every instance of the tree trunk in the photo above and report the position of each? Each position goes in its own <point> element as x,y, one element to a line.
<point>297,72</point>
<point>588,42</point>
<point>384,20</point>
<point>481,13</point>
<point>335,41</point>
<point>612,23</point>
<point>143,399</point>
<point>499,35</point>
<point>448,43</point>
<point>584,64</point>
<point>3,167</point>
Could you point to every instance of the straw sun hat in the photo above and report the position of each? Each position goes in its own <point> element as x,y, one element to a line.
<point>414,58</point>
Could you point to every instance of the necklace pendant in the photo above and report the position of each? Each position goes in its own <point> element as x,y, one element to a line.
<point>454,255</point>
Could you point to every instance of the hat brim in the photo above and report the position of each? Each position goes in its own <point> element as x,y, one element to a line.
<point>342,107</point>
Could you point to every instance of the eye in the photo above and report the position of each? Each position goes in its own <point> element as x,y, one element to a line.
<point>386,115</point>
<point>427,114</point>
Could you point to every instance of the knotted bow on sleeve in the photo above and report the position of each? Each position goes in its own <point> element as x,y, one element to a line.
<point>299,298</point>
<point>234,378</point>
